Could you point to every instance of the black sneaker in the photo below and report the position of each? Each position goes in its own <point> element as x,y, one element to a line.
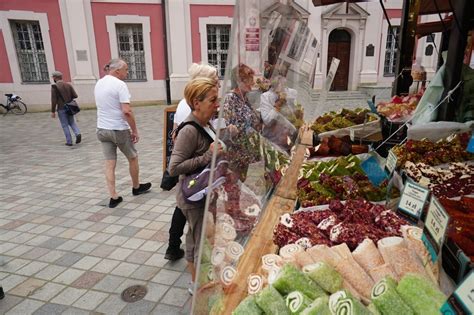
<point>78,139</point>
<point>141,189</point>
<point>115,202</point>
<point>68,144</point>
<point>174,253</point>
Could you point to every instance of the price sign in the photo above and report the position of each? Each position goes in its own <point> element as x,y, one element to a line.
<point>436,225</point>
<point>462,300</point>
<point>352,134</point>
<point>413,199</point>
<point>470,145</point>
<point>391,163</point>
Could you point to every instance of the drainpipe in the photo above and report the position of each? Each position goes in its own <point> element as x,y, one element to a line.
<point>165,45</point>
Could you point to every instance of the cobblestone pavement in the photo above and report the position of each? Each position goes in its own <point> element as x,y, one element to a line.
<point>61,250</point>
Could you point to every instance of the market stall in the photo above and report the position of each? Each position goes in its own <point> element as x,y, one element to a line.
<point>309,218</point>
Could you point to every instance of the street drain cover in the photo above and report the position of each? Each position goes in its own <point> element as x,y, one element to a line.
<point>134,293</point>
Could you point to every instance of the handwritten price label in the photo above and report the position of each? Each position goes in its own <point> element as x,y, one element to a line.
<point>391,162</point>
<point>436,225</point>
<point>413,199</point>
<point>352,134</point>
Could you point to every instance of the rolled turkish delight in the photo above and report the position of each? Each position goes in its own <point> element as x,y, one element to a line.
<point>291,279</point>
<point>356,276</point>
<point>349,288</point>
<point>255,283</point>
<point>396,253</point>
<point>387,300</point>
<point>367,255</point>
<point>289,251</point>
<point>342,250</point>
<point>271,302</point>
<point>323,253</point>
<point>218,256</point>
<point>228,275</point>
<point>233,251</point>
<point>343,303</point>
<point>325,276</point>
<point>303,258</point>
<point>271,261</point>
<point>318,307</point>
<point>206,274</point>
<point>382,271</point>
<point>248,306</point>
<point>420,294</point>
<point>296,302</point>
<point>412,291</point>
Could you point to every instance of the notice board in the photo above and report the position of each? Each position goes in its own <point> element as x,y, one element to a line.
<point>167,134</point>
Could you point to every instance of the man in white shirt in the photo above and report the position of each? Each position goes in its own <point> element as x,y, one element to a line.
<point>116,127</point>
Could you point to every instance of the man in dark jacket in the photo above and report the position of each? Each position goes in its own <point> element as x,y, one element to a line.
<point>61,93</point>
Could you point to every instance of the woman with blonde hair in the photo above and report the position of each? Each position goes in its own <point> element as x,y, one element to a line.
<point>193,151</point>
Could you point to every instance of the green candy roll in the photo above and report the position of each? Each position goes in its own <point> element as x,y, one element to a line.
<point>271,302</point>
<point>206,252</point>
<point>343,303</point>
<point>206,274</point>
<point>325,276</point>
<point>318,307</point>
<point>412,290</point>
<point>428,287</point>
<point>291,279</point>
<point>386,299</point>
<point>373,309</point>
<point>248,306</point>
<point>297,302</point>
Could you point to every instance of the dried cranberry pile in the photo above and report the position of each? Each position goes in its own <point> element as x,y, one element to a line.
<point>349,223</point>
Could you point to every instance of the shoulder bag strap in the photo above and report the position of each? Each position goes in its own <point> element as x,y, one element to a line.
<point>198,127</point>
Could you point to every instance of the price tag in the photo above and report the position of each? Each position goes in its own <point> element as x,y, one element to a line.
<point>391,162</point>
<point>352,134</point>
<point>470,145</point>
<point>462,300</point>
<point>373,170</point>
<point>436,225</point>
<point>413,199</point>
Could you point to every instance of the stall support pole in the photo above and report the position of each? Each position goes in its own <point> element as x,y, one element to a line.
<point>454,62</point>
<point>406,46</point>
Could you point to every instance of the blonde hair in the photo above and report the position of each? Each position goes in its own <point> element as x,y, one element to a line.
<point>202,70</point>
<point>197,89</point>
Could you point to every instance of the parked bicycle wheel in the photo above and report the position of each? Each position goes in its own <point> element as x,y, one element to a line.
<point>18,107</point>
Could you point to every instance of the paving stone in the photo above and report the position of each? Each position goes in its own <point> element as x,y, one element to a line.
<point>19,250</point>
<point>145,272</point>
<point>124,269</point>
<point>139,257</point>
<point>53,242</point>
<point>105,265</point>
<point>76,311</point>
<point>112,305</point>
<point>133,243</point>
<point>68,296</point>
<point>138,308</point>
<point>165,276</point>
<point>90,300</point>
<point>50,272</point>
<point>183,280</point>
<point>69,245</point>
<point>120,253</point>
<point>9,302</point>
<point>110,283</point>
<point>88,279</point>
<point>103,250</point>
<point>26,307</point>
<point>178,265</point>
<point>52,256</point>
<point>12,281</point>
<point>163,309</point>
<point>116,240</point>
<point>35,253</point>
<point>151,246</point>
<point>27,287</point>
<point>48,309</point>
<point>155,291</point>
<point>68,276</point>
<point>176,297</point>
<point>31,268</point>
<point>86,262</point>
<point>85,248</point>
<point>128,231</point>
<point>47,291</point>
<point>69,259</point>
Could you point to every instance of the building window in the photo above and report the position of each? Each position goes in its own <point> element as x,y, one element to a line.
<point>390,63</point>
<point>218,37</point>
<point>30,51</point>
<point>130,49</point>
<point>299,42</point>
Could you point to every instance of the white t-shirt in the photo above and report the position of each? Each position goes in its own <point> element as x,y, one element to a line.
<point>109,93</point>
<point>182,111</point>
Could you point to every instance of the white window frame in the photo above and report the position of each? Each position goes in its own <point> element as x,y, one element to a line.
<point>394,52</point>
<point>42,19</point>
<point>211,20</point>
<point>132,19</point>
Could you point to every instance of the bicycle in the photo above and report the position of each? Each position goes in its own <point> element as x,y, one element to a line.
<point>14,105</point>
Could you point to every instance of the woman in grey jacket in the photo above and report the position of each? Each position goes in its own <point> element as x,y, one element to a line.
<point>192,151</point>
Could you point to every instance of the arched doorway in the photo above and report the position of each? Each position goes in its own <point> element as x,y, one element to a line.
<point>340,47</point>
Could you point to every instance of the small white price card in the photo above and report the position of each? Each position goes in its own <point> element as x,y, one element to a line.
<point>413,199</point>
<point>436,225</point>
<point>462,300</point>
<point>352,134</point>
<point>391,162</point>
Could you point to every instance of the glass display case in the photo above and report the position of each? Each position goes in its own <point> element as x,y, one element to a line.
<point>266,92</point>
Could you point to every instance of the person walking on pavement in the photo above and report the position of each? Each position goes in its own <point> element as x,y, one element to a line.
<point>178,221</point>
<point>116,128</point>
<point>61,93</point>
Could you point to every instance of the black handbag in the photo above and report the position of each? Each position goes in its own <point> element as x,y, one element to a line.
<point>71,107</point>
<point>168,181</point>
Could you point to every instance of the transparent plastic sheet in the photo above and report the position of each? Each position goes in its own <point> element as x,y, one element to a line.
<point>266,88</point>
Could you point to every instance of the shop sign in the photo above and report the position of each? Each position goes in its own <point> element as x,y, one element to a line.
<point>252,39</point>
<point>436,226</point>
<point>462,300</point>
<point>413,199</point>
<point>332,72</point>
